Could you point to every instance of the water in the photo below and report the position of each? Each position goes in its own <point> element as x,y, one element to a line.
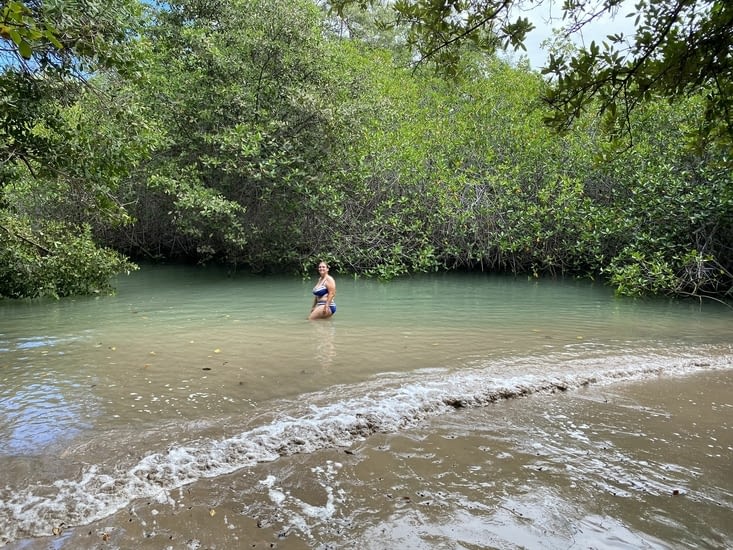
<point>191,390</point>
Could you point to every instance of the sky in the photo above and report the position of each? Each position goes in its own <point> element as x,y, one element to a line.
<point>548,17</point>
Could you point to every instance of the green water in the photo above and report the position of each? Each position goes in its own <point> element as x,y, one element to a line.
<point>175,341</point>
<point>105,384</point>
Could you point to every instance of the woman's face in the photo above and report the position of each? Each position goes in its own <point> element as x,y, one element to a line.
<point>323,268</point>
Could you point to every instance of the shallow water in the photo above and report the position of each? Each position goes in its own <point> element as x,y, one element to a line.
<point>189,381</point>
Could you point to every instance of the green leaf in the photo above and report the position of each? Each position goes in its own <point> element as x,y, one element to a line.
<point>25,49</point>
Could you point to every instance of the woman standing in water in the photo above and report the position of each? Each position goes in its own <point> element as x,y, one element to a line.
<point>323,294</point>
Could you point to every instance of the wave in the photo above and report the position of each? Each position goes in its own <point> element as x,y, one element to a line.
<point>337,417</point>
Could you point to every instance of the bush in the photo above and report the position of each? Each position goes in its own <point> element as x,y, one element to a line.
<point>53,259</point>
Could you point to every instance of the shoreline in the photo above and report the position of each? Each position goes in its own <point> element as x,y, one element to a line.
<point>578,467</point>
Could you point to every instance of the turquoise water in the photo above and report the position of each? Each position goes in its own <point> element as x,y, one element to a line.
<point>189,373</point>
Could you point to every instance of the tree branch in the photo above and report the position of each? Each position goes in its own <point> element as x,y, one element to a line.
<point>42,248</point>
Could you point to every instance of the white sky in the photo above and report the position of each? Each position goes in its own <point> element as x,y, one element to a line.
<point>548,17</point>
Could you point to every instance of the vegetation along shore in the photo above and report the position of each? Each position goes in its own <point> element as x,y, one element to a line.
<point>388,140</point>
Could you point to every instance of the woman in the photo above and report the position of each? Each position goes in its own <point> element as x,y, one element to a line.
<point>323,294</point>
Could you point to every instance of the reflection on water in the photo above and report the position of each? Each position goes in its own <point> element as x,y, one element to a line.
<point>37,417</point>
<point>190,374</point>
<point>325,342</point>
<point>30,343</point>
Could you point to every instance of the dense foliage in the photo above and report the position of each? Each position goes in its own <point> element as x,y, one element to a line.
<point>53,259</point>
<point>253,122</point>
<point>679,47</point>
<point>260,134</point>
<point>59,167</point>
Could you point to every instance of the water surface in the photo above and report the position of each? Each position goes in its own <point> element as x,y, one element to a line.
<point>188,375</point>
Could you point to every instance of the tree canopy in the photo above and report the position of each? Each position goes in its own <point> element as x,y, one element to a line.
<point>47,49</point>
<point>264,134</point>
<point>680,47</point>
<point>48,52</point>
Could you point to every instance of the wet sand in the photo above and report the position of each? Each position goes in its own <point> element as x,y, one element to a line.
<point>634,465</point>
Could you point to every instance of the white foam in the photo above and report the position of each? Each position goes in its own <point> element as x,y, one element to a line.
<point>338,417</point>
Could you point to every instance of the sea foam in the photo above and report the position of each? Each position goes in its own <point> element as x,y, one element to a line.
<point>337,417</point>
